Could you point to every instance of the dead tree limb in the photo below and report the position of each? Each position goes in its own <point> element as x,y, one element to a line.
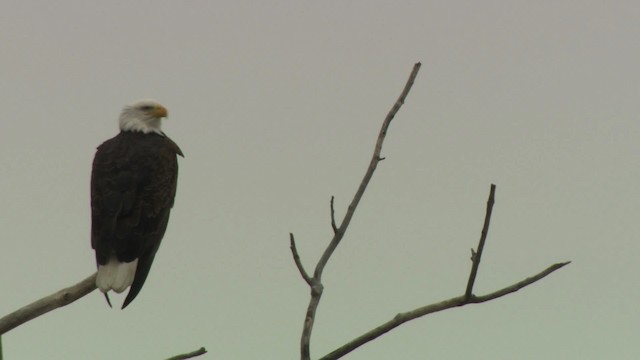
<point>315,282</point>
<point>58,299</point>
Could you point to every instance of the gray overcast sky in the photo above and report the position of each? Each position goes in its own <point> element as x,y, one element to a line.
<point>276,106</point>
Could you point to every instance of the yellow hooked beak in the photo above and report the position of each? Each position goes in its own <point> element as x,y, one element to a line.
<point>160,112</point>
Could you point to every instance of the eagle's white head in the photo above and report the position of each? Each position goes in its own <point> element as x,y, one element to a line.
<point>144,116</point>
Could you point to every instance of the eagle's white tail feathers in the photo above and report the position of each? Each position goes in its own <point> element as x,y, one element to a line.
<point>115,275</point>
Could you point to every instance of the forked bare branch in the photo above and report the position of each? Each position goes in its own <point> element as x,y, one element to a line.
<point>467,298</point>
<point>462,300</point>
<point>315,282</point>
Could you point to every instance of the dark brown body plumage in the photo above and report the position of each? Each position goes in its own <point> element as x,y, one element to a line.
<point>133,185</point>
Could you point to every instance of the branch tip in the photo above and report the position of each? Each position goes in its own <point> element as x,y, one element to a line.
<point>190,355</point>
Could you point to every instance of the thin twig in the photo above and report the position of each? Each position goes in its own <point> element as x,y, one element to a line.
<point>519,285</point>
<point>296,259</point>
<point>458,301</point>
<point>476,255</point>
<point>58,299</point>
<point>316,281</point>
<point>333,218</point>
<point>190,355</point>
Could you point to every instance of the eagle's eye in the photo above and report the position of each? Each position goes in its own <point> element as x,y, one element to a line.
<point>146,107</point>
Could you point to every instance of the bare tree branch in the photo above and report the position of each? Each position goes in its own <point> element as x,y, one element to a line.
<point>190,355</point>
<point>402,318</point>
<point>476,255</point>
<point>58,299</point>
<point>316,281</point>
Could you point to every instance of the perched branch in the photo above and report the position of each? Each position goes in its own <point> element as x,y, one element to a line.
<point>316,281</point>
<point>429,309</point>
<point>58,299</point>
<point>476,255</point>
<point>190,355</point>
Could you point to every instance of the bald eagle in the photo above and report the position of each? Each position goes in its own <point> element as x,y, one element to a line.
<point>133,186</point>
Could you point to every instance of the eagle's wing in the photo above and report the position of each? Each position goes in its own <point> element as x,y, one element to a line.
<point>132,192</point>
